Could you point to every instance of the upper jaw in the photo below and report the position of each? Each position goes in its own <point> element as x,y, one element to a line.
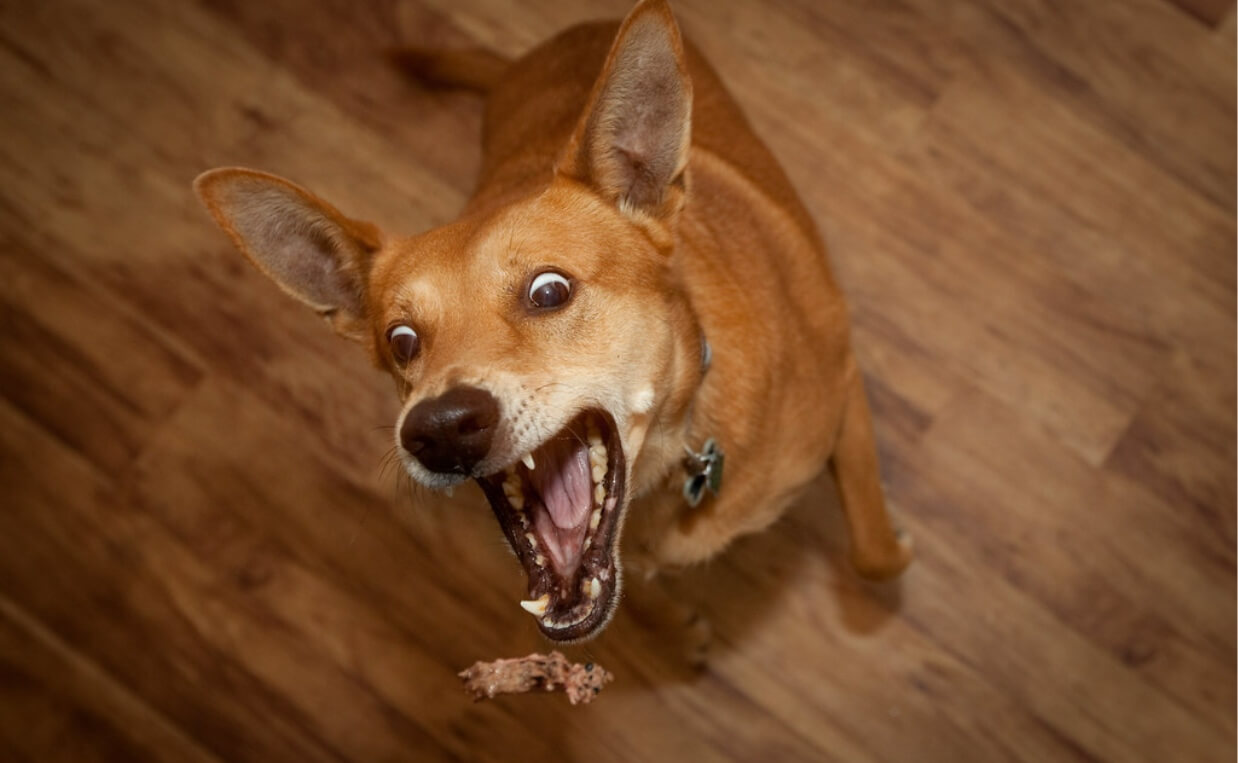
<point>563,520</point>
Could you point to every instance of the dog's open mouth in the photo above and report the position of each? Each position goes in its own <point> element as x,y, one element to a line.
<point>559,507</point>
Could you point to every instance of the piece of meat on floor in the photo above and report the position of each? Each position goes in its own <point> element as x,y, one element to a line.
<point>548,672</point>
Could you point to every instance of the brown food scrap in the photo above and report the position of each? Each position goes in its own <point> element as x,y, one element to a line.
<point>536,671</point>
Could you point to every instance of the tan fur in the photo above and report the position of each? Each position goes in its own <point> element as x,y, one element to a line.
<point>703,240</point>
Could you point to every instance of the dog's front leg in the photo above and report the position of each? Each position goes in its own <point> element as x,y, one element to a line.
<point>658,610</point>
<point>877,550</point>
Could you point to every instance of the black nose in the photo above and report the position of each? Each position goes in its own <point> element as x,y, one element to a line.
<point>451,433</point>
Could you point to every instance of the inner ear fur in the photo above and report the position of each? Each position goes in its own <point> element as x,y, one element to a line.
<point>311,250</point>
<point>632,142</point>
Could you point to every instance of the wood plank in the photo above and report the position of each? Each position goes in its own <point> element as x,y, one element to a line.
<point>1134,69</point>
<point>59,366</point>
<point>60,706</point>
<point>1097,544</point>
<point>1210,12</point>
<point>151,609</point>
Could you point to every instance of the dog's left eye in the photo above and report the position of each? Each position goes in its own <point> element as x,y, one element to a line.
<point>404,343</point>
<point>549,289</point>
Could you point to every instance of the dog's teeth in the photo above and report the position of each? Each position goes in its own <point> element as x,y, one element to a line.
<point>597,454</point>
<point>595,588</point>
<point>532,540</point>
<point>599,471</point>
<point>536,607</point>
<point>513,491</point>
<point>539,560</point>
<point>599,494</point>
<point>587,544</point>
<point>595,518</point>
<point>527,459</point>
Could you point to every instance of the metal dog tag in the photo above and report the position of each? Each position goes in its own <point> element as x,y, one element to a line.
<point>704,471</point>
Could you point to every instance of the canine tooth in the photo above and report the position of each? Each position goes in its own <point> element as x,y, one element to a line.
<point>599,494</point>
<point>595,518</point>
<point>527,458</point>
<point>595,588</point>
<point>536,607</point>
<point>532,539</point>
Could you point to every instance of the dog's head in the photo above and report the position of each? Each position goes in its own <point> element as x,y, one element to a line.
<point>541,347</point>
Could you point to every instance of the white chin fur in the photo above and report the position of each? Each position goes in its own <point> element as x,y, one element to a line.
<point>427,478</point>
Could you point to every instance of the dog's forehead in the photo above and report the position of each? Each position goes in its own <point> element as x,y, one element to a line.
<point>553,229</point>
<point>492,255</point>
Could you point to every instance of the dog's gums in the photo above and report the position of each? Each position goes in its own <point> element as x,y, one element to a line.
<point>561,508</point>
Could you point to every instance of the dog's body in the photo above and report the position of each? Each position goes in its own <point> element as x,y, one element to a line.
<point>633,277</point>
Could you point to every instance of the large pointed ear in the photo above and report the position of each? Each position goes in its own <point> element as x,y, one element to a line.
<point>300,241</point>
<point>632,142</point>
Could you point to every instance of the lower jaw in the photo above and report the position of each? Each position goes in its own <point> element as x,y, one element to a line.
<point>568,605</point>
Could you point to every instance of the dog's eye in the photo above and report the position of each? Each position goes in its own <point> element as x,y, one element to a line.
<point>549,289</point>
<point>403,342</point>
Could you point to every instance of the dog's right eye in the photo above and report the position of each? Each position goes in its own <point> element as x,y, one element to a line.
<point>403,342</point>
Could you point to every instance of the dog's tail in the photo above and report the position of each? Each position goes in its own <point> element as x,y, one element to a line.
<point>476,69</point>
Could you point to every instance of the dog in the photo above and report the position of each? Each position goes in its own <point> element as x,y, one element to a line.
<point>630,339</point>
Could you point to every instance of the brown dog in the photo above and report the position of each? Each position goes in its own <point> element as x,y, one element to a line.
<point>634,292</point>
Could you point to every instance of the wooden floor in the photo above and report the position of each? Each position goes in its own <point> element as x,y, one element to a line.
<point>1030,202</point>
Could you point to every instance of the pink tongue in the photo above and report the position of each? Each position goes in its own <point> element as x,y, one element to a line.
<point>562,478</point>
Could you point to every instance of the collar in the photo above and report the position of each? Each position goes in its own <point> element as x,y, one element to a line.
<point>704,469</point>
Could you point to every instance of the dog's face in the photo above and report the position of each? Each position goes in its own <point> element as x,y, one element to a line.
<point>533,351</point>
<point>536,346</point>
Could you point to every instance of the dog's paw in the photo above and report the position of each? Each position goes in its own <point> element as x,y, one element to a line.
<point>885,561</point>
<point>698,637</point>
<point>679,628</point>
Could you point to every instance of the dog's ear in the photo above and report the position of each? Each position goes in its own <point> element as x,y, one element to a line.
<point>301,242</point>
<point>632,142</point>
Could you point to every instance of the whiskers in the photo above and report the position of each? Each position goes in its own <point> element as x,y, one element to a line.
<point>402,484</point>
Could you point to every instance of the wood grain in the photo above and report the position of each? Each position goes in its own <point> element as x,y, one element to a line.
<point>1031,205</point>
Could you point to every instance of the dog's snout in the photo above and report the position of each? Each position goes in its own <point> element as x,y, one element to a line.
<point>451,433</point>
